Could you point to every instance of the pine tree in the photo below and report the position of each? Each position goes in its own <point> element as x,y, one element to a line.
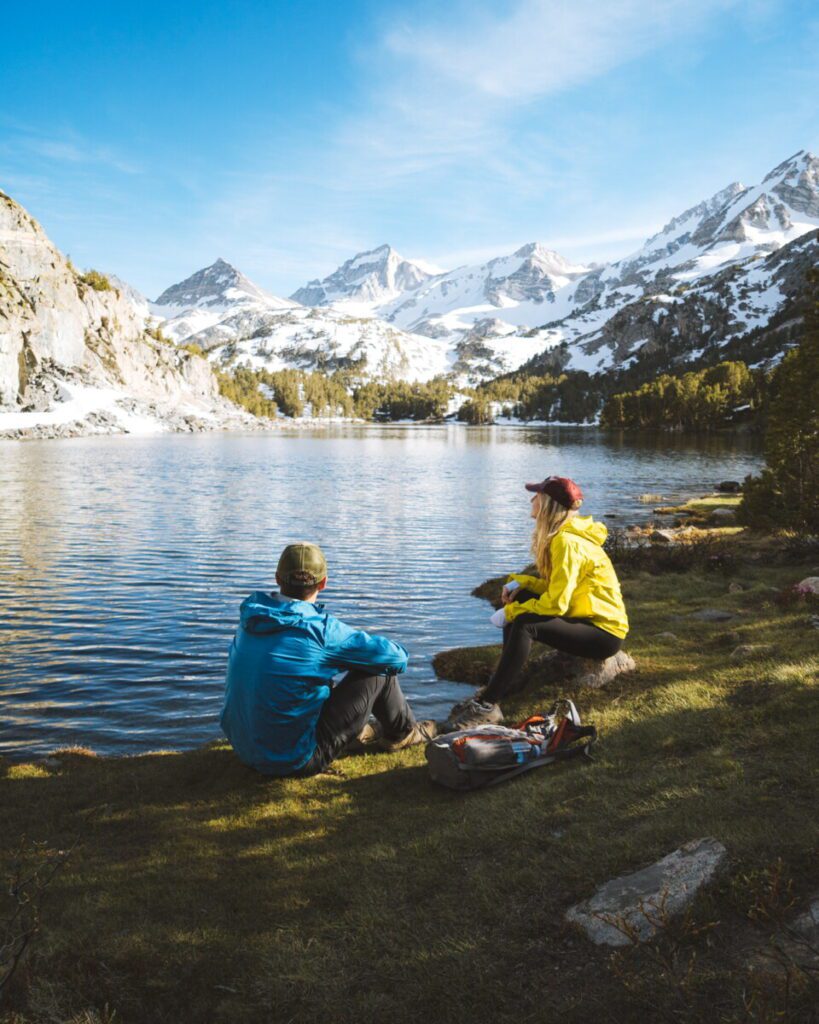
<point>786,494</point>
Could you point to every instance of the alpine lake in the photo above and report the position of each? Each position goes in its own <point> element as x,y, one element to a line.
<point>123,560</point>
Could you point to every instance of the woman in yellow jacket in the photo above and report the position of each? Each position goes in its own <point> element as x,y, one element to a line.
<point>573,605</point>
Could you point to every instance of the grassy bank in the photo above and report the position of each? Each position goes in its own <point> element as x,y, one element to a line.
<point>198,891</point>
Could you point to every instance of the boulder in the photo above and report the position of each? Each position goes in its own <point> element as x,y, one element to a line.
<point>721,515</point>
<point>712,615</point>
<point>557,667</point>
<point>662,536</point>
<point>600,673</point>
<point>633,908</point>
<point>809,585</point>
<point>729,487</point>
<point>747,652</point>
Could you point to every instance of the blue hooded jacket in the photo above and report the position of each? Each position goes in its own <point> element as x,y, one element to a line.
<point>280,666</point>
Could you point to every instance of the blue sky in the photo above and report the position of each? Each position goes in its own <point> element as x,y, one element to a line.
<point>151,138</point>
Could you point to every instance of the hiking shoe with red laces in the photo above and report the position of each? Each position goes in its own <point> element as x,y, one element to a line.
<point>419,733</point>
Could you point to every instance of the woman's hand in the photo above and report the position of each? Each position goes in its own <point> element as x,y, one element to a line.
<point>507,595</point>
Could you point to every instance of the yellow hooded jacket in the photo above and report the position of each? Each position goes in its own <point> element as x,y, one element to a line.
<point>583,583</point>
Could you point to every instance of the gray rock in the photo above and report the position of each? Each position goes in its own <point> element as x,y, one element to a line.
<point>633,908</point>
<point>723,514</point>
<point>810,584</point>
<point>557,667</point>
<point>662,536</point>
<point>747,652</point>
<point>670,638</point>
<point>712,615</point>
<point>600,673</point>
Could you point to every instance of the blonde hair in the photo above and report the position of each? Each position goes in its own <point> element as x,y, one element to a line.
<point>551,518</point>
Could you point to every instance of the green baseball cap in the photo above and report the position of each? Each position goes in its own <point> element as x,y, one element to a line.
<point>302,564</point>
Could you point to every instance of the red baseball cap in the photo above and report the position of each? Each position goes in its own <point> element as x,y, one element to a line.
<point>564,491</point>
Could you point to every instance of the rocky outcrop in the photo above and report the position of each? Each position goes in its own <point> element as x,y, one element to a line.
<point>59,327</point>
<point>633,908</point>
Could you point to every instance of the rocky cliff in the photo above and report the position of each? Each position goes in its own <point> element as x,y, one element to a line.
<point>73,343</point>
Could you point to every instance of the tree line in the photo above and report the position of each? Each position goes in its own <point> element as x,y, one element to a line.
<point>297,393</point>
<point>699,400</point>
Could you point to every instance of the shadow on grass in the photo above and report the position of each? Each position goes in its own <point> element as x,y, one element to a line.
<point>203,891</point>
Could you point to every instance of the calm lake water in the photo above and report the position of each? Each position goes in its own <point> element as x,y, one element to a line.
<point>123,560</point>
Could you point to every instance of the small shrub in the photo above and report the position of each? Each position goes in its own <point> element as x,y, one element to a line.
<point>94,279</point>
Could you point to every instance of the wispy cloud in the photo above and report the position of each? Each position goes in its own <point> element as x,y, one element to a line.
<point>540,47</point>
<point>449,89</point>
<point>68,148</point>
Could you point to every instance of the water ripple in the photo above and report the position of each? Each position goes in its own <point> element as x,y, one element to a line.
<point>123,561</point>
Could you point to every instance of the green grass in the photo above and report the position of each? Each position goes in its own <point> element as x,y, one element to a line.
<point>200,891</point>
<point>704,506</point>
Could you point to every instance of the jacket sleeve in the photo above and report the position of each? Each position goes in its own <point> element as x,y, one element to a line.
<point>533,583</point>
<point>567,566</point>
<point>353,648</point>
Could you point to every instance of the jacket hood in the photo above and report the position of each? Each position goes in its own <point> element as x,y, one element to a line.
<point>586,527</point>
<point>262,613</point>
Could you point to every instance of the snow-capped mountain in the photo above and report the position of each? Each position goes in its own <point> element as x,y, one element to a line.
<point>248,327</point>
<point>728,239</point>
<point>216,287</point>
<point>575,313</point>
<point>209,296</point>
<point>370,278</point>
<point>516,290</point>
<point>714,274</point>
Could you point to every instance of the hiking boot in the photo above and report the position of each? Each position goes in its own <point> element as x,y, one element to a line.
<point>371,732</point>
<point>474,712</point>
<point>419,733</point>
<point>366,739</point>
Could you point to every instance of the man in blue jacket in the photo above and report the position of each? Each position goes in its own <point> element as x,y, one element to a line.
<point>282,714</point>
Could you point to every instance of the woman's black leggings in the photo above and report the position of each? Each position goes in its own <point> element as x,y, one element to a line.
<point>574,636</point>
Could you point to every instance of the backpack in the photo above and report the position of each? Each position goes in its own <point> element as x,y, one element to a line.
<point>488,754</point>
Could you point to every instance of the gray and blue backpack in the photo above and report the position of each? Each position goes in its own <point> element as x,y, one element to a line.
<point>489,754</point>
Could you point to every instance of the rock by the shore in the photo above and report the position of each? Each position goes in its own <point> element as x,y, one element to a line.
<point>722,515</point>
<point>662,536</point>
<point>633,908</point>
<point>729,487</point>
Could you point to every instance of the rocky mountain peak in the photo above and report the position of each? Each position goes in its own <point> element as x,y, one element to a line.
<point>548,260</point>
<point>373,276</point>
<point>218,285</point>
